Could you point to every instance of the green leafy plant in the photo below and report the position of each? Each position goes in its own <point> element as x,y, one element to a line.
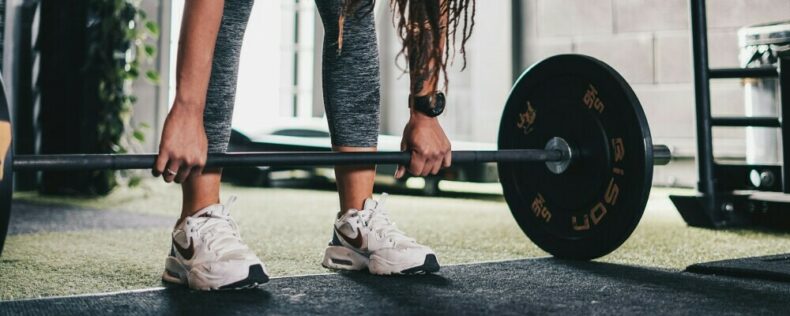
<point>119,47</point>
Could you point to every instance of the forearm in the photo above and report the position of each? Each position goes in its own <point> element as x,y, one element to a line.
<point>199,28</point>
<point>424,73</point>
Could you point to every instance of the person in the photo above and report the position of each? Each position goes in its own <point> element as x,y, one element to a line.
<point>207,252</point>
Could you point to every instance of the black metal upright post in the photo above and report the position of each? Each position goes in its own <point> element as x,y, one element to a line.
<point>26,110</point>
<point>784,91</point>
<point>705,163</point>
<point>723,199</point>
<point>517,37</point>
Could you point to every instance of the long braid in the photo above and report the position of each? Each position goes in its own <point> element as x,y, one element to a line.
<point>419,26</point>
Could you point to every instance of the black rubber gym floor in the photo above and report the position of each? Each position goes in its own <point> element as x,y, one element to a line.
<point>535,286</point>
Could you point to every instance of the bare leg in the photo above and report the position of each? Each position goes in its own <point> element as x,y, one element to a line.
<point>351,95</point>
<point>200,191</point>
<point>354,183</point>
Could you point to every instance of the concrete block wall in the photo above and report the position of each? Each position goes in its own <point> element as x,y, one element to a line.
<point>648,42</point>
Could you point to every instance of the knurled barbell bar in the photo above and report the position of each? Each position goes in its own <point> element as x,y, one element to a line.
<point>118,162</point>
<point>582,203</point>
<point>555,155</point>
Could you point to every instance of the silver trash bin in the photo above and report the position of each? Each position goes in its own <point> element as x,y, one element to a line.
<point>759,46</point>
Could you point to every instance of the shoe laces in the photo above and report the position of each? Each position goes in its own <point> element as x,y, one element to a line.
<point>378,222</point>
<point>217,229</point>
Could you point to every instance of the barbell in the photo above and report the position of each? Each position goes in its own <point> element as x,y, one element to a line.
<point>573,113</point>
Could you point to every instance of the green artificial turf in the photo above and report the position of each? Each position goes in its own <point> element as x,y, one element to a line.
<point>289,229</point>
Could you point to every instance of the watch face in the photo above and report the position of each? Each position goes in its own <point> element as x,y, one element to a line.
<point>438,104</point>
<point>432,105</point>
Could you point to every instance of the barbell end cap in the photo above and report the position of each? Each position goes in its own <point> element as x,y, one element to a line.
<point>662,155</point>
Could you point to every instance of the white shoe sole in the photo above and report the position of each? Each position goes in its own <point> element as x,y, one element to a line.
<point>343,258</point>
<point>380,266</point>
<point>177,274</point>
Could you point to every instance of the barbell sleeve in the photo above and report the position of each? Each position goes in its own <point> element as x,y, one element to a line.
<point>661,155</point>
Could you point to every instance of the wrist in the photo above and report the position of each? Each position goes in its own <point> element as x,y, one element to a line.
<point>417,116</point>
<point>191,109</point>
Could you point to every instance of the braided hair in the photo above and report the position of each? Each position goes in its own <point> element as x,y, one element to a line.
<point>424,26</point>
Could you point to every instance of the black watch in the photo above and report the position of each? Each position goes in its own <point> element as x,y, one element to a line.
<point>431,105</point>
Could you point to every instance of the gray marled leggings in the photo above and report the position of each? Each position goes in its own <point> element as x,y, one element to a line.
<point>351,78</point>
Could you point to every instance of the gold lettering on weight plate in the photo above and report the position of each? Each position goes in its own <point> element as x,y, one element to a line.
<point>592,100</point>
<point>5,144</point>
<point>540,209</point>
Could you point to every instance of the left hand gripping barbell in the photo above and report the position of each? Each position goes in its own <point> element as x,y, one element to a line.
<point>573,113</point>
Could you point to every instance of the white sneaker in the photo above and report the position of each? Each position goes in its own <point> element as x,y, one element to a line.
<point>368,239</point>
<point>208,254</point>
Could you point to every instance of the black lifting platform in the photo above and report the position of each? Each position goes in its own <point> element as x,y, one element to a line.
<point>736,194</point>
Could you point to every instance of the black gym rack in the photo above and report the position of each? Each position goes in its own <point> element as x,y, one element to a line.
<point>726,196</point>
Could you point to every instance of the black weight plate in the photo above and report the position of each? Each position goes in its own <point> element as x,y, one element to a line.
<point>592,208</point>
<point>6,162</point>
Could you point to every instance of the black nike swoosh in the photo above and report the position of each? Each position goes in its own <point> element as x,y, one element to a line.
<point>354,242</point>
<point>185,253</point>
